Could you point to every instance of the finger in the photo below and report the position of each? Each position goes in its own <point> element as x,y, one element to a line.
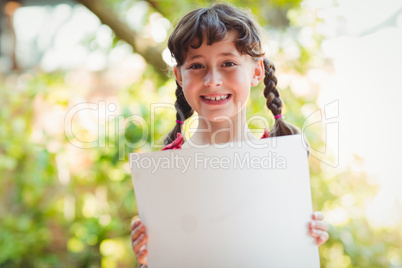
<point>321,236</point>
<point>318,215</point>
<point>142,257</point>
<point>319,225</point>
<point>322,239</point>
<point>135,223</point>
<point>137,232</point>
<point>138,243</point>
<point>316,233</point>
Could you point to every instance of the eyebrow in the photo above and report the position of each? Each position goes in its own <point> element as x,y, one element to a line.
<point>223,54</point>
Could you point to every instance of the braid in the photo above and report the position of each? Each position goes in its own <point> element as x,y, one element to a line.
<point>275,104</point>
<point>183,111</point>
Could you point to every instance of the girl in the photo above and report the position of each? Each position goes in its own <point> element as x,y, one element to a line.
<point>219,56</point>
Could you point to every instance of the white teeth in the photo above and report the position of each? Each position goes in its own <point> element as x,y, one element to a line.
<point>222,97</point>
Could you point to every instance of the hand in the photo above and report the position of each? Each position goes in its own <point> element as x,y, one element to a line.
<point>319,228</point>
<point>138,241</point>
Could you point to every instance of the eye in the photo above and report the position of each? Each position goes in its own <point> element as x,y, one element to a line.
<point>228,64</point>
<point>196,66</point>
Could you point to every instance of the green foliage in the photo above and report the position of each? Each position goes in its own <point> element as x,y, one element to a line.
<point>27,173</point>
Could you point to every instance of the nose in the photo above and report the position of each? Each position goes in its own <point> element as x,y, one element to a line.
<point>212,78</point>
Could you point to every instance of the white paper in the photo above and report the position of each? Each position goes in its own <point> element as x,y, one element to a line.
<point>237,206</point>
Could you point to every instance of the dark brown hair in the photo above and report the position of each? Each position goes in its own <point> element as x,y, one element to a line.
<point>213,23</point>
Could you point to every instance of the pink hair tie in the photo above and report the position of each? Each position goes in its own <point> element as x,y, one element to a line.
<point>180,122</point>
<point>278,116</point>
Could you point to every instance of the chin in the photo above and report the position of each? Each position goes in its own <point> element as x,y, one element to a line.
<point>219,119</point>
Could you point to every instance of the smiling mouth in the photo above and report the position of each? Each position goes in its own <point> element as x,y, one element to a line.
<point>216,98</point>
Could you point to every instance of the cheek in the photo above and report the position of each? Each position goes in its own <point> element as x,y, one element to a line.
<point>190,93</point>
<point>240,81</point>
<point>190,84</point>
<point>239,76</point>
<point>188,80</point>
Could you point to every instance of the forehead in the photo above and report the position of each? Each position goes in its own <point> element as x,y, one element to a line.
<point>226,45</point>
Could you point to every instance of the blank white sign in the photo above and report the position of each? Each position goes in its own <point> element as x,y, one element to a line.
<point>238,206</point>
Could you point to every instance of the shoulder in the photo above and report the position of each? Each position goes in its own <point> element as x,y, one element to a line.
<point>176,144</point>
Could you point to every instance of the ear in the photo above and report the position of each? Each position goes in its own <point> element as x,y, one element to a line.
<point>177,74</point>
<point>258,72</point>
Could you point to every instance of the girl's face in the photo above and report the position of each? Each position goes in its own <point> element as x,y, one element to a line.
<point>216,79</point>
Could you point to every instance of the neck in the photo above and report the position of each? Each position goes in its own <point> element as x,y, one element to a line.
<point>222,131</point>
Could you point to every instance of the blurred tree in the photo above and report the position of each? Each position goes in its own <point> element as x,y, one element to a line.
<point>8,9</point>
<point>149,50</point>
